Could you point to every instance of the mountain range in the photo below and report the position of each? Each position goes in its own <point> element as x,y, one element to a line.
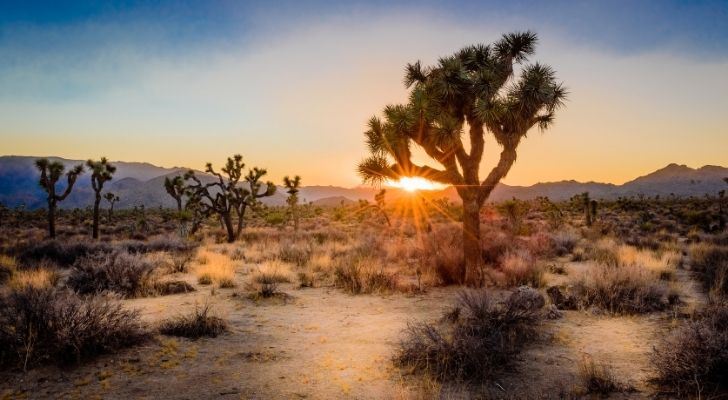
<point>142,183</point>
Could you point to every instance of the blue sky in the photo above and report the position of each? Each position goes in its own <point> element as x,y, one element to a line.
<point>291,84</point>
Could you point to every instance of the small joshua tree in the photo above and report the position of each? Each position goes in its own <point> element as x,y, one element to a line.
<point>477,89</point>
<point>225,197</point>
<point>379,199</point>
<point>50,173</point>
<point>101,172</point>
<point>176,188</point>
<point>292,200</point>
<point>111,199</point>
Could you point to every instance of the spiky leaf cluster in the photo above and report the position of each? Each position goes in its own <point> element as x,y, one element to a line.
<point>51,172</point>
<point>474,89</point>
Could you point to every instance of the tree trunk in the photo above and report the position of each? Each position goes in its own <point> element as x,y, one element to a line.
<point>111,212</point>
<point>472,268</point>
<point>52,219</point>
<point>97,201</point>
<point>228,222</point>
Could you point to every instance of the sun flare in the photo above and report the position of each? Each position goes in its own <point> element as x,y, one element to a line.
<point>413,184</point>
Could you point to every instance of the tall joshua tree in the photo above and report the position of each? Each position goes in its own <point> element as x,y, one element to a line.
<point>101,172</point>
<point>50,173</point>
<point>292,200</point>
<point>226,196</point>
<point>475,90</point>
<point>111,199</point>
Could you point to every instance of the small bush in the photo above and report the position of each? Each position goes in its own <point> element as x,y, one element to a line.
<point>598,378</point>
<point>63,254</point>
<point>711,263</point>
<point>39,325</point>
<point>361,277</point>
<point>200,323</point>
<point>520,268</point>
<point>564,242</point>
<point>620,290</point>
<point>694,358</point>
<point>481,338</point>
<point>298,253</point>
<point>181,262</point>
<point>123,273</point>
<point>172,287</point>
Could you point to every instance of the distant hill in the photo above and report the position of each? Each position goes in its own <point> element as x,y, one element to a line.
<point>142,183</point>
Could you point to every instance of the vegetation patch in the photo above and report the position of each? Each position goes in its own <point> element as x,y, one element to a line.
<point>693,359</point>
<point>39,325</point>
<point>200,323</point>
<point>478,339</point>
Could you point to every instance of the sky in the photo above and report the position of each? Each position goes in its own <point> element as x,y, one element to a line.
<point>291,86</point>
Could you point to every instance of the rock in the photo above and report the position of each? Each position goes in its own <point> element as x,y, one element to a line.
<point>526,298</point>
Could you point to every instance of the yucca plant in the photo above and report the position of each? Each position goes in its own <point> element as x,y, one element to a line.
<point>101,172</point>
<point>50,173</point>
<point>292,200</point>
<point>476,89</point>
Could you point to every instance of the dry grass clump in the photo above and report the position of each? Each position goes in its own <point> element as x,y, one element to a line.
<point>216,269</point>
<point>8,266</point>
<point>37,278</point>
<point>126,274</point>
<point>563,242</point>
<point>598,378</point>
<point>620,290</point>
<point>693,359</point>
<point>39,325</point>
<point>478,339</point>
<point>711,263</point>
<point>663,264</point>
<point>200,323</point>
<point>518,267</point>
<point>364,275</point>
<point>297,253</point>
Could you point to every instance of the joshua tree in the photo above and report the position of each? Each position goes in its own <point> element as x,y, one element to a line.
<point>474,89</point>
<point>225,196</point>
<point>101,172</point>
<point>50,173</point>
<point>379,199</point>
<point>292,200</point>
<point>176,188</point>
<point>111,199</point>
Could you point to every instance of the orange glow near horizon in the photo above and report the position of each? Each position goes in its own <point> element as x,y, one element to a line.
<point>414,184</point>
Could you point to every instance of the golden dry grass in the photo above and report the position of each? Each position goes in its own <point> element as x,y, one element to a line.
<point>37,278</point>
<point>216,269</point>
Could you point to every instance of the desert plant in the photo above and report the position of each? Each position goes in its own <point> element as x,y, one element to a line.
<point>101,172</point>
<point>225,197</point>
<point>471,86</point>
<point>711,263</point>
<point>693,359</point>
<point>50,173</point>
<point>45,324</point>
<point>598,378</point>
<point>621,290</point>
<point>111,199</point>
<point>481,338</point>
<point>175,187</point>
<point>200,323</point>
<point>292,199</point>
<point>120,272</point>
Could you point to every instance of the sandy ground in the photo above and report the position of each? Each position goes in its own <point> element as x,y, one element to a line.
<point>322,344</point>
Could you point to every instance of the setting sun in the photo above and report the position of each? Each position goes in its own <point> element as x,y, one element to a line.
<point>413,184</point>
